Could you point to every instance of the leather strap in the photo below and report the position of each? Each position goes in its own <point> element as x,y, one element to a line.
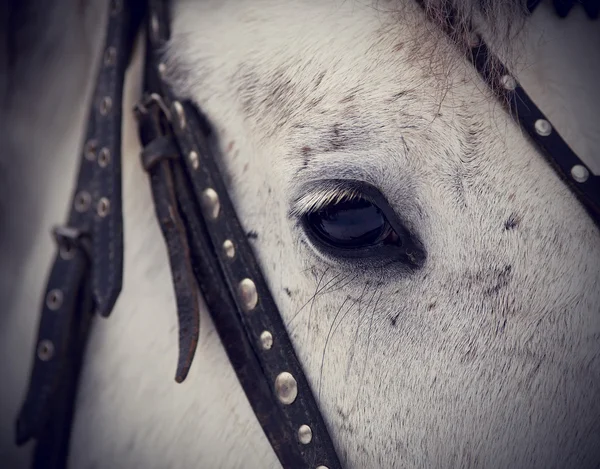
<point>158,151</point>
<point>227,273</point>
<point>87,272</point>
<point>569,167</point>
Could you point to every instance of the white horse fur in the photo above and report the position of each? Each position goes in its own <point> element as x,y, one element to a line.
<point>487,357</point>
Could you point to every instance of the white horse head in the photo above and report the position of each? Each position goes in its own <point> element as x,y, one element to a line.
<point>481,349</point>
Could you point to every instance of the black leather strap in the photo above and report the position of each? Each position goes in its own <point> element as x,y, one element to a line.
<point>86,276</point>
<point>159,149</point>
<point>227,273</point>
<point>570,168</point>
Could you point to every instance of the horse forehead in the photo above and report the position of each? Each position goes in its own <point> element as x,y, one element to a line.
<point>348,84</point>
<point>309,54</point>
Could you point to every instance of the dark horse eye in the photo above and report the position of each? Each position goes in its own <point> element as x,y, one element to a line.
<point>350,224</point>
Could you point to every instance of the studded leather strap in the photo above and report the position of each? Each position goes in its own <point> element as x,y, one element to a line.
<point>227,272</point>
<point>569,167</point>
<point>86,276</point>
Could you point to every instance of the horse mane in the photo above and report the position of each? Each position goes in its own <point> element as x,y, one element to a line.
<point>499,22</point>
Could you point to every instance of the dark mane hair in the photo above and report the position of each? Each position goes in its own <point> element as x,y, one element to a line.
<point>499,21</point>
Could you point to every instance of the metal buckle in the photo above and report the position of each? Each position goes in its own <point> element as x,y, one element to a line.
<point>68,240</point>
<point>150,101</point>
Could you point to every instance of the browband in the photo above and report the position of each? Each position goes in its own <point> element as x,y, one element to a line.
<point>207,249</point>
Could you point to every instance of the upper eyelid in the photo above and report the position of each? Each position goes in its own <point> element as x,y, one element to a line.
<point>316,200</point>
<point>325,193</point>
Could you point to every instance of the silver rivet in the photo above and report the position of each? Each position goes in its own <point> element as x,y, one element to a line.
<point>193,156</point>
<point>162,69</point>
<point>103,207</point>
<point>266,340</point>
<point>228,249</point>
<point>322,467</point>
<point>105,105</point>
<point>543,127</point>
<point>104,157</point>
<point>54,299</point>
<point>580,173</point>
<point>210,203</point>
<point>82,201</point>
<point>286,388</point>
<point>304,434</point>
<point>90,150</point>
<point>180,114</point>
<point>508,82</point>
<point>248,294</point>
<point>110,56</point>
<point>45,350</point>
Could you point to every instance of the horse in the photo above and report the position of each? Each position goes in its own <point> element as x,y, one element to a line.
<point>479,349</point>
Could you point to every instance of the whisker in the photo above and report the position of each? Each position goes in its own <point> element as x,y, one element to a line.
<point>331,290</point>
<point>362,377</point>
<point>318,292</point>
<point>327,341</point>
<point>355,341</point>
<point>312,303</point>
<point>333,329</point>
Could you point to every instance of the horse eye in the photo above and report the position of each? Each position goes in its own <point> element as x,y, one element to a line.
<point>350,224</point>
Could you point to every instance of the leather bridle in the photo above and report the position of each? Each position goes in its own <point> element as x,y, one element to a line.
<point>207,248</point>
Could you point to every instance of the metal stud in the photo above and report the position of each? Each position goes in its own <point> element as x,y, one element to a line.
<point>304,434</point>
<point>103,207</point>
<point>508,82</point>
<point>180,114</point>
<point>104,157</point>
<point>286,388</point>
<point>89,150</point>
<point>210,203</point>
<point>162,69</point>
<point>45,350</point>
<point>228,249</point>
<point>543,127</point>
<point>266,340</point>
<point>322,467</point>
<point>110,56</point>
<point>248,294</point>
<point>82,201</point>
<point>193,156</point>
<point>580,173</point>
<point>54,299</point>
<point>105,105</point>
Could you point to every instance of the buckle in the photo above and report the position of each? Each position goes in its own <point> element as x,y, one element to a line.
<point>68,239</point>
<point>150,102</point>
